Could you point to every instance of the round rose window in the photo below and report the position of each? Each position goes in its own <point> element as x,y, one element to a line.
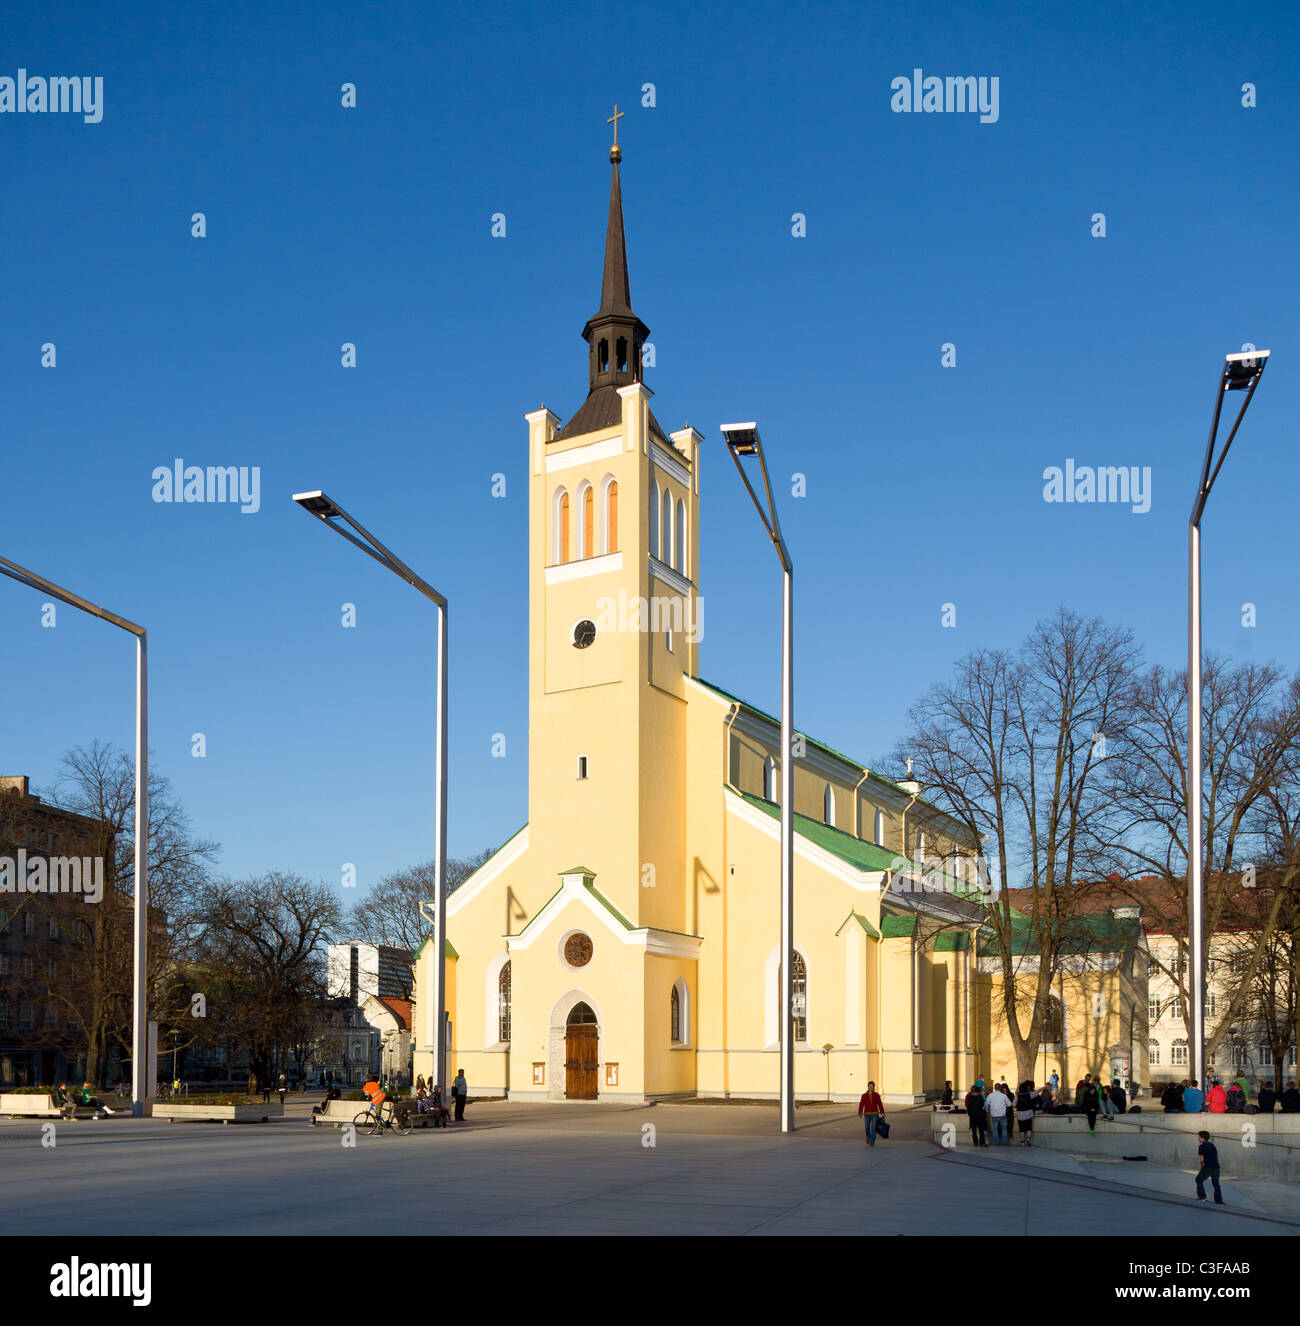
<point>577,950</point>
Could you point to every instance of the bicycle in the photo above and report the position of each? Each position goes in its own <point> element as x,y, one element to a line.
<point>387,1118</point>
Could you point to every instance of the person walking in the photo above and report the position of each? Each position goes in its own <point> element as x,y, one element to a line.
<point>1267,1098</point>
<point>1193,1098</point>
<point>1088,1101</point>
<point>997,1107</point>
<point>871,1109</point>
<point>978,1114</point>
<point>1055,1083</point>
<point>282,1086</point>
<point>1025,1113</point>
<point>266,1091</point>
<point>1217,1101</point>
<point>459,1091</point>
<point>1209,1154</point>
<point>1291,1099</point>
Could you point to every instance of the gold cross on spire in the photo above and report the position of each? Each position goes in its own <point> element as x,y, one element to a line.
<point>615,152</point>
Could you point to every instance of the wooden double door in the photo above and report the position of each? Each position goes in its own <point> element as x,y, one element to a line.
<point>581,1063</point>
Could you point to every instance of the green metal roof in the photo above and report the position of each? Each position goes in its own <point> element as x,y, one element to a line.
<point>952,941</point>
<point>819,745</point>
<point>1088,932</point>
<point>451,952</point>
<point>856,918</point>
<point>895,927</point>
<point>862,855</point>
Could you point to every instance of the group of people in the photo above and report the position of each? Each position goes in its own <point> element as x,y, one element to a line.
<point>428,1098</point>
<point>991,1111</point>
<point>66,1101</point>
<point>1186,1097</point>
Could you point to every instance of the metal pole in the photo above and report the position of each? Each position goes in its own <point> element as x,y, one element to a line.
<point>787,853</point>
<point>1195,851</point>
<point>440,855</point>
<point>140,1007</point>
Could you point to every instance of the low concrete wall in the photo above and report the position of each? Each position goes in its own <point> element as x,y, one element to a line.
<point>224,1113</point>
<point>1257,1146</point>
<point>31,1105</point>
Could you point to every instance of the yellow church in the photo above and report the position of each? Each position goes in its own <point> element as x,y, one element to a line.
<point>623,945</point>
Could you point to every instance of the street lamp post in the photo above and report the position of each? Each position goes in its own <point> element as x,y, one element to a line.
<point>141,1072</point>
<point>1241,372</point>
<point>328,512</point>
<point>742,441</point>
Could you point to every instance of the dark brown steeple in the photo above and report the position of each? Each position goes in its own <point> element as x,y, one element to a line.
<point>614,334</point>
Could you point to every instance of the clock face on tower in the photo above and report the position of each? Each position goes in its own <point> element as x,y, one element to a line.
<point>584,633</point>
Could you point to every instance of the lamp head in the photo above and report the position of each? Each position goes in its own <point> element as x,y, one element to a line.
<point>1242,369</point>
<point>317,503</point>
<point>742,439</point>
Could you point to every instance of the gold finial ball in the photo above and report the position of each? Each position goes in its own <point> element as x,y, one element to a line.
<point>616,154</point>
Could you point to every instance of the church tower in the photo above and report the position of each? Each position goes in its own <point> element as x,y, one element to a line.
<point>614,617</point>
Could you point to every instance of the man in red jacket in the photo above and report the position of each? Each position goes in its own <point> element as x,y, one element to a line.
<point>871,1109</point>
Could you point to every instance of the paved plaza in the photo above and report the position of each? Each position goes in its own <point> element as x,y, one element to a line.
<point>586,1169</point>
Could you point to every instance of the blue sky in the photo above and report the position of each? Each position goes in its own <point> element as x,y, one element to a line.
<point>372,225</point>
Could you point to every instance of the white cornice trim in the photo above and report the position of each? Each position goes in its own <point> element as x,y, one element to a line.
<point>673,579</point>
<point>635,388</point>
<point>663,459</point>
<point>488,871</point>
<point>864,881</point>
<point>585,566</point>
<point>543,413</point>
<point>587,454</point>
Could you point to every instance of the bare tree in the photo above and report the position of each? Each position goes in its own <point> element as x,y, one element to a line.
<point>262,945</point>
<point>95,980</point>
<point>390,913</point>
<point>1013,749</point>
<point>1251,746</point>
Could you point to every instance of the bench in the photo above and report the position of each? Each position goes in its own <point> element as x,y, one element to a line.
<point>32,1106</point>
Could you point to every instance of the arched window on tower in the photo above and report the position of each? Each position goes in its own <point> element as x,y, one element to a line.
<point>769,779</point>
<point>680,532</point>
<point>621,354</point>
<point>609,508</point>
<point>588,522</point>
<point>560,526</point>
<point>675,1016</point>
<point>654,519</point>
<point>880,828</point>
<point>667,532</point>
<point>503,1001</point>
<point>602,356</point>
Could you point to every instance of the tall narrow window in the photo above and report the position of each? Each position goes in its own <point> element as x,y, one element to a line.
<point>828,805</point>
<point>799,996</point>
<point>503,1004</point>
<point>880,828</point>
<point>620,347</point>
<point>654,519</point>
<point>564,527</point>
<point>588,521</point>
<point>1178,1054</point>
<point>769,779</point>
<point>675,1016</point>
<point>1153,1053</point>
<point>680,530</point>
<point>667,535</point>
<point>611,516</point>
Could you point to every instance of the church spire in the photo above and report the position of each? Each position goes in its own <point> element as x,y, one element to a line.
<point>614,333</point>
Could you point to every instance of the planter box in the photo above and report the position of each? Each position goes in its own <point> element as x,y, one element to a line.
<point>40,1106</point>
<point>213,1113</point>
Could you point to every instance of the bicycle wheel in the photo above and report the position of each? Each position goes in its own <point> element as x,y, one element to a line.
<point>404,1124</point>
<point>364,1122</point>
